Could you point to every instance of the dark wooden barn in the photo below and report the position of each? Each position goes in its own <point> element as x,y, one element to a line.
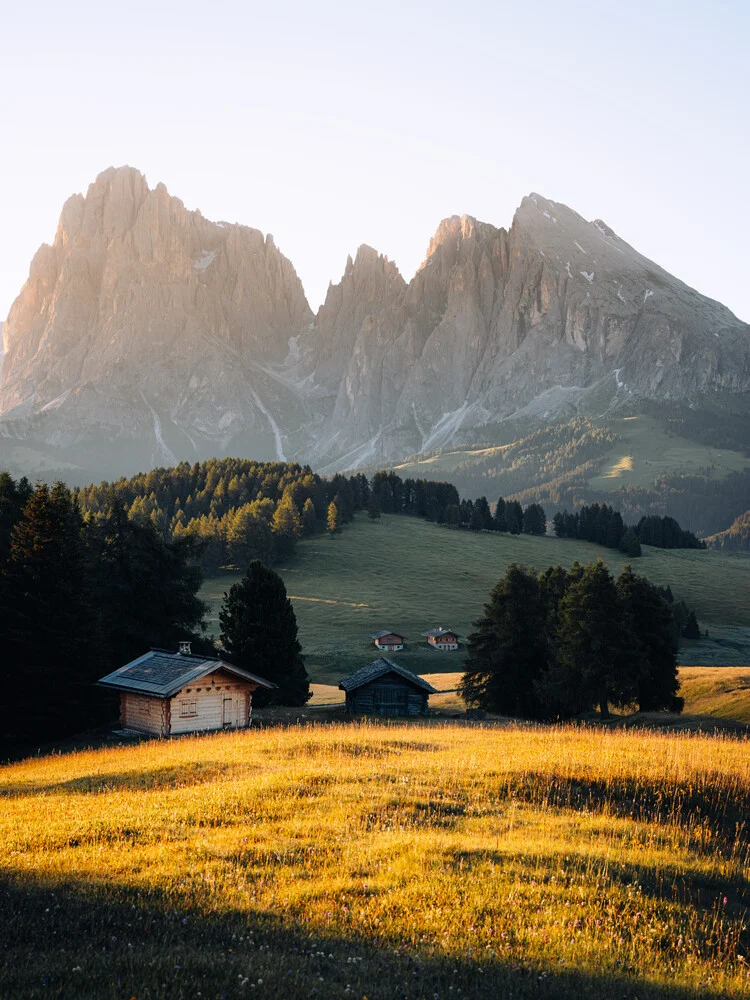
<point>385,688</point>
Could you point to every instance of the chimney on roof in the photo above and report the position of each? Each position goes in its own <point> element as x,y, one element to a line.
<point>185,648</point>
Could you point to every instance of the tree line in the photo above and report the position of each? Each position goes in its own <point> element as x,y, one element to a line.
<point>81,596</point>
<point>440,502</point>
<point>555,644</point>
<point>603,525</point>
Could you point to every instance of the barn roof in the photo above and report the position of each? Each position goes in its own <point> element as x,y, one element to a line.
<point>388,631</point>
<point>377,669</point>
<point>436,632</point>
<point>162,673</point>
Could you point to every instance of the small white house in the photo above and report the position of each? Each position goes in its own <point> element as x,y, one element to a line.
<point>388,641</point>
<point>443,639</point>
<point>165,693</point>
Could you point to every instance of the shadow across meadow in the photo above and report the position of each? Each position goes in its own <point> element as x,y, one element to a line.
<point>70,941</point>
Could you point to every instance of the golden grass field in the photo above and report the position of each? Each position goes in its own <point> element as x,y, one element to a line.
<point>380,861</point>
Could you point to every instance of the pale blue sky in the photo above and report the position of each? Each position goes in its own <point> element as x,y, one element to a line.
<point>332,124</point>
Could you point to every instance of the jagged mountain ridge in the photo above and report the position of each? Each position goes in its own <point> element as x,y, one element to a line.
<point>151,334</point>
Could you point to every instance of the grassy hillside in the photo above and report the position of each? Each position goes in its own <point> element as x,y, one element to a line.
<point>407,574</point>
<point>722,692</point>
<point>379,862</point>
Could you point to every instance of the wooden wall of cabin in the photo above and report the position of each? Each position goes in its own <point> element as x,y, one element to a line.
<point>379,698</point>
<point>144,713</point>
<point>224,704</point>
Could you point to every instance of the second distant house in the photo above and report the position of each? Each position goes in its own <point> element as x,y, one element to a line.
<point>389,642</point>
<point>443,639</point>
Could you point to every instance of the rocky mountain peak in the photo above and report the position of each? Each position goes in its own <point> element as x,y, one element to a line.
<point>177,337</point>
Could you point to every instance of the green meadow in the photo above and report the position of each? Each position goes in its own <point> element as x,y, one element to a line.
<point>409,575</point>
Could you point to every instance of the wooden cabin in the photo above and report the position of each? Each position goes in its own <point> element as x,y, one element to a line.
<point>165,693</point>
<point>443,639</point>
<point>389,642</point>
<point>385,688</point>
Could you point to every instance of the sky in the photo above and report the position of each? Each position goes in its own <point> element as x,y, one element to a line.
<point>332,124</point>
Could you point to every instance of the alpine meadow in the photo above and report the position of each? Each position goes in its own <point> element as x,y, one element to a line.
<point>374,501</point>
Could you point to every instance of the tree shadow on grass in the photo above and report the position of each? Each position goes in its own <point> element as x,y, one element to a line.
<point>71,941</point>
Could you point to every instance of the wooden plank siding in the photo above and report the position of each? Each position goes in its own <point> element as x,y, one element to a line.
<point>224,704</point>
<point>388,696</point>
<point>143,713</point>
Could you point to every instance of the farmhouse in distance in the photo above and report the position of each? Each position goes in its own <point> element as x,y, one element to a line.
<point>386,688</point>
<point>389,642</point>
<point>164,693</point>
<point>444,639</point>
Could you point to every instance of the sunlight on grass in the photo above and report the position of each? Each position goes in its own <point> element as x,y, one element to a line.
<point>625,464</point>
<point>604,854</point>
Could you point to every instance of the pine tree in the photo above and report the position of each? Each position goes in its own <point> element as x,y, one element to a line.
<point>597,655</point>
<point>309,518</point>
<point>691,629</point>
<point>500,524</point>
<point>334,519</point>
<point>514,517</point>
<point>509,650</point>
<point>286,524</point>
<point>46,619</point>
<point>373,507</point>
<point>259,634</point>
<point>630,544</point>
<point>534,520</point>
<point>650,618</point>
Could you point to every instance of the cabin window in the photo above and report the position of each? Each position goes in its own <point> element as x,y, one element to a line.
<point>188,709</point>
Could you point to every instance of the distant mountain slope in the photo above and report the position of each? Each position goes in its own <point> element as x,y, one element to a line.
<point>736,538</point>
<point>146,333</point>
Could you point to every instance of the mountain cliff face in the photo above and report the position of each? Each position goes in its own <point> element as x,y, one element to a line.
<point>146,333</point>
<point>555,316</point>
<point>147,325</point>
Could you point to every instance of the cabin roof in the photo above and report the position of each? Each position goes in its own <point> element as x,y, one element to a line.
<point>162,673</point>
<point>378,668</point>
<point>388,631</point>
<point>435,633</point>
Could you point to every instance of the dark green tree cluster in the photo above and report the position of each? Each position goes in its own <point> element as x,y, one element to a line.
<point>259,634</point>
<point>418,497</point>
<point>509,516</point>
<point>598,523</point>
<point>555,644</point>
<point>80,597</point>
<point>665,533</point>
<point>235,509</point>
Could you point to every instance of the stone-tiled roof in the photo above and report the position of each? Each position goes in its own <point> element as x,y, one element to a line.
<point>163,673</point>
<point>388,631</point>
<point>435,633</point>
<point>378,668</point>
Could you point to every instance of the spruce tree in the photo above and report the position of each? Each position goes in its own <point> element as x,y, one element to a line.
<point>500,523</point>
<point>259,634</point>
<point>373,507</point>
<point>514,517</point>
<point>597,655</point>
<point>309,518</point>
<point>46,619</point>
<point>651,620</point>
<point>508,651</point>
<point>691,629</point>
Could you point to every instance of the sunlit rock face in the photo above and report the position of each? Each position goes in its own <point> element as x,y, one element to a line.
<point>147,325</point>
<point>147,334</point>
<point>555,316</point>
